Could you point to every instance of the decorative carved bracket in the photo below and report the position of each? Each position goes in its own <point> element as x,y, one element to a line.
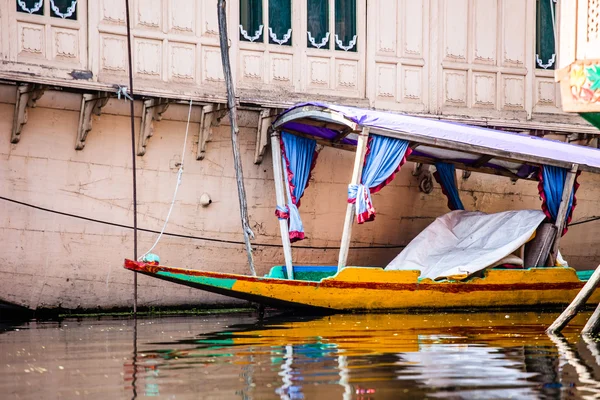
<point>27,96</point>
<point>262,133</point>
<point>90,104</point>
<point>210,116</point>
<point>152,111</point>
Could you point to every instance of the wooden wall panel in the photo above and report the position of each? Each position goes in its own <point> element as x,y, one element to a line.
<point>398,61</point>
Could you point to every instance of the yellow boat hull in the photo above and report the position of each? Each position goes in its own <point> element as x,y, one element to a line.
<point>372,289</point>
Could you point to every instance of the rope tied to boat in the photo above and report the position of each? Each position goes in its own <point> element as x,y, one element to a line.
<point>178,183</point>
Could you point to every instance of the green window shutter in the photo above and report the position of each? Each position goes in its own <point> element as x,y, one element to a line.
<point>345,25</point>
<point>251,21</point>
<point>280,22</point>
<point>65,9</point>
<point>545,46</point>
<point>318,24</point>
<point>35,7</point>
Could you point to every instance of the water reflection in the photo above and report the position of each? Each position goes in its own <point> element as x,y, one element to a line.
<point>377,356</point>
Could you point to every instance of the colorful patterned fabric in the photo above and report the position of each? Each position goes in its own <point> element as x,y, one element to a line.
<point>383,159</point>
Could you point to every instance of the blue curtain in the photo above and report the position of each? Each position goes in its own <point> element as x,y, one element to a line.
<point>298,158</point>
<point>551,187</point>
<point>446,177</point>
<point>384,157</point>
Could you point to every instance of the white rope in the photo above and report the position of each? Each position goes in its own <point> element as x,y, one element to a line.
<point>179,174</point>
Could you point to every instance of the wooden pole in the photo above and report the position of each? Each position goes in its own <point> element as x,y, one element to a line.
<point>279,193</point>
<point>592,326</point>
<point>239,174</point>
<point>359,161</point>
<point>576,305</point>
<point>133,155</point>
<point>562,212</point>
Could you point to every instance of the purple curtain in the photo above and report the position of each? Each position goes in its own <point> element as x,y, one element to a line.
<point>299,158</point>
<point>383,159</point>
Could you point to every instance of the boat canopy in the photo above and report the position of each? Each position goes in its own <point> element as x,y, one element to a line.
<point>468,147</point>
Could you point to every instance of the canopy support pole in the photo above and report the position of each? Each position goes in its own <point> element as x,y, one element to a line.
<point>359,161</point>
<point>279,193</point>
<point>562,212</point>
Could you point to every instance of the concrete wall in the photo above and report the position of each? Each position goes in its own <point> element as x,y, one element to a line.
<point>50,260</point>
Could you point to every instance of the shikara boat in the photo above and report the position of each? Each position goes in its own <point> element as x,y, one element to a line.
<point>383,142</point>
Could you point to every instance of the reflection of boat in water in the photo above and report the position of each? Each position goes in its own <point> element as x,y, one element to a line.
<point>379,355</point>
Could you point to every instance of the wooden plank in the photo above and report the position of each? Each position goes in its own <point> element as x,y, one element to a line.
<point>464,167</point>
<point>359,161</point>
<point>343,133</point>
<point>280,195</point>
<point>482,160</point>
<point>562,212</point>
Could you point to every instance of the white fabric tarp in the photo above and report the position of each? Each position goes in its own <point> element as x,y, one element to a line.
<point>461,243</point>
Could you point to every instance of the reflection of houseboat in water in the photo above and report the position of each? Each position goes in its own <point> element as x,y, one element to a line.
<point>380,355</point>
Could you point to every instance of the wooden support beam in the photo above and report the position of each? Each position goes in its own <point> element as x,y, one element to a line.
<point>262,132</point>
<point>562,212</point>
<point>324,142</point>
<point>359,161</point>
<point>152,111</point>
<point>465,167</point>
<point>482,161</point>
<point>343,133</point>
<point>90,104</point>
<point>27,96</point>
<point>280,195</point>
<point>577,304</point>
<point>210,117</point>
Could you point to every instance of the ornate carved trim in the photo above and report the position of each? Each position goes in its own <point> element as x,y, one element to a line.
<point>285,39</point>
<point>211,116</point>
<point>70,10</point>
<point>90,104</point>
<point>322,43</point>
<point>27,96</point>
<point>36,6</point>
<point>350,46</point>
<point>256,34</point>
<point>152,111</point>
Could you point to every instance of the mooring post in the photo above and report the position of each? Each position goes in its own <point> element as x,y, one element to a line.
<point>359,161</point>
<point>133,155</point>
<point>593,324</point>
<point>576,305</point>
<point>231,105</point>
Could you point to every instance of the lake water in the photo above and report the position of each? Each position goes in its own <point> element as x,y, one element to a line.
<point>238,356</point>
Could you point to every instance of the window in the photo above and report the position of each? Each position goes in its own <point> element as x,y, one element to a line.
<point>279,29</point>
<point>251,26</point>
<point>318,33</point>
<point>545,45</point>
<point>318,23</point>
<point>65,9</point>
<point>276,27</point>
<point>345,25</point>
